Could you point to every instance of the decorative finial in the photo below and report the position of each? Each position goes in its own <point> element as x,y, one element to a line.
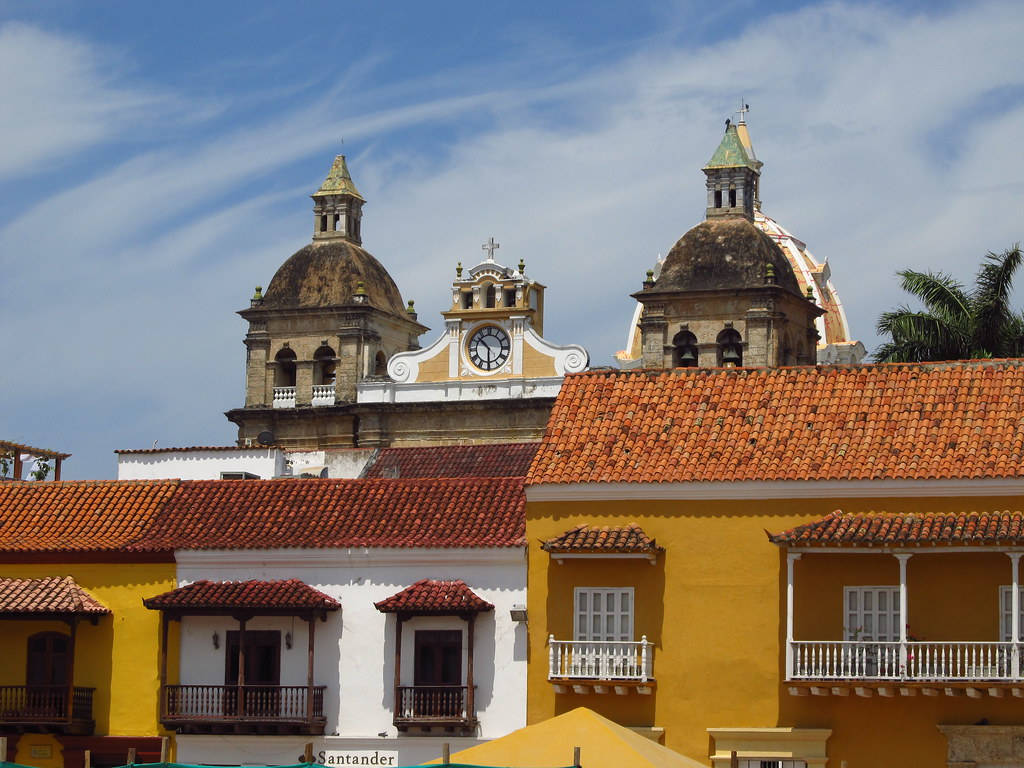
<point>810,293</point>
<point>728,122</point>
<point>360,296</point>
<point>257,296</point>
<point>490,246</point>
<point>458,270</point>
<point>742,112</point>
<point>410,309</point>
<point>522,267</point>
<point>769,272</point>
<point>649,281</point>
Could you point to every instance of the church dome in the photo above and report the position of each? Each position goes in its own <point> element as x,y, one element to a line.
<point>328,274</point>
<point>724,253</point>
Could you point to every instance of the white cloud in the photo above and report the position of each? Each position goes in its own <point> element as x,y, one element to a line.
<point>877,129</point>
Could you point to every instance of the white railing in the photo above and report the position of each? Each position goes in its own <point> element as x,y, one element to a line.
<point>323,394</point>
<point>919,661</point>
<point>600,660</point>
<point>284,397</point>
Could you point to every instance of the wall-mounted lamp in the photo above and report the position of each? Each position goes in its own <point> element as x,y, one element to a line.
<point>518,613</point>
<point>216,639</point>
<point>288,640</point>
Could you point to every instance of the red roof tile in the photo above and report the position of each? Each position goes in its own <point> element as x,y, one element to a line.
<point>262,514</point>
<point>437,597</point>
<point>891,421</point>
<point>503,460</point>
<point>894,529</point>
<point>586,538</point>
<point>231,595</point>
<point>55,595</point>
<point>191,448</point>
<point>64,516</point>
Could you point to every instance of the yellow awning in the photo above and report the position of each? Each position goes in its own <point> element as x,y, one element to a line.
<point>602,743</point>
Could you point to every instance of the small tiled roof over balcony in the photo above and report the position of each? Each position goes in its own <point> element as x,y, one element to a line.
<point>287,594</point>
<point>429,596</point>
<point>612,539</point>
<point>894,529</point>
<point>56,596</point>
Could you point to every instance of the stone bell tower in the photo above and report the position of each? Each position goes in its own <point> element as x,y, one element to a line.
<point>330,319</point>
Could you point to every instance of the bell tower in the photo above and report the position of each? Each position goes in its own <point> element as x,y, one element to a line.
<point>337,207</point>
<point>733,175</point>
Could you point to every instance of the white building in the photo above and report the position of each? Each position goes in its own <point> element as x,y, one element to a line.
<point>438,563</point>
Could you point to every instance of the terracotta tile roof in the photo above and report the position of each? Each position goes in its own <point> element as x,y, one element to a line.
<point>55,595</point>
<point>892,421</point>
<point>586,538</point>
<point>504,460</point>
<point>230,595</point>
<point>262,514</point>
<point>65,516</point>
<point>895,529</point>
<point>430,596</point>
<point>191,448</point>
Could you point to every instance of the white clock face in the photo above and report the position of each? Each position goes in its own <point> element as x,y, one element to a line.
<point>488,348</point>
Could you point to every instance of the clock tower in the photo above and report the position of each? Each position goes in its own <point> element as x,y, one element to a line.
<point>492,347</point>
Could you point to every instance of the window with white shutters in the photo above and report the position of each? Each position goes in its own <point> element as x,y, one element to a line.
<point>603,613</point>
<point>1006,612</point>
<point>872,613</point>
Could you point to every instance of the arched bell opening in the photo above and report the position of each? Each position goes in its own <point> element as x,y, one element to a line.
<point>684,350</point>
<point>730,348</point>
<point>324,365</point>
<point>284,376</point>
<point>490,296</point>
<point>380,364</point>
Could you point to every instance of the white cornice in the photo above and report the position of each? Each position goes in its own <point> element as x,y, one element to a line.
<point>777,489</point>
<point>356,557</point>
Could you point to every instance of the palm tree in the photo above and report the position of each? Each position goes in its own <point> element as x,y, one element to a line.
<point>956,324</point>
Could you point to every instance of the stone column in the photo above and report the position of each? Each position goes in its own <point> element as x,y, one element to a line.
<point>256,393</point>
<point>303,382</point>
<point>653,329</point>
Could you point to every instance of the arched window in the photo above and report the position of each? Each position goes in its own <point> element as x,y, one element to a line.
<point>284,376</point>
<point>718,198</point>
<point>323,365</point>
<point>732,197</point>
<point>490,296</point>
<point>684,352</point>
<point>380,364</point>
<point>467,299</point>
<point>730,348</point>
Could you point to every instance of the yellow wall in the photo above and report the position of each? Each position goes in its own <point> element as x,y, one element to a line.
<point>715,606</point>
<point>119,656</point>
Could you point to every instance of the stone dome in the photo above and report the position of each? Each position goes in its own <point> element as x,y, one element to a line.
<point>721,254</point>
<point>327,274</point>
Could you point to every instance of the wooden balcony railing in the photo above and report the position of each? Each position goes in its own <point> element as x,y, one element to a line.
<point>249,708</point>
<point>601,660</point>
<point>47,706</point>
<point>909,662</point>
<point>426,705</point>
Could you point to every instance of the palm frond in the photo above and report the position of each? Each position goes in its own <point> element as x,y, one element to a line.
<point>919,336</point>
<point>940,293</point>
<point>990,300</point>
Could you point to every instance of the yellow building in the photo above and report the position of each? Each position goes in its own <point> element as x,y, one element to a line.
<point>876,624</point>
<point>80,653</point>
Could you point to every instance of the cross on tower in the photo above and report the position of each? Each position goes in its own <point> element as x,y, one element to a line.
<point>742,111</point>
<point>490,246</point>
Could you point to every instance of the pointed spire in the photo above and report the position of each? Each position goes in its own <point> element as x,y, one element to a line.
<point>338,181</point>
<point>731,152</point>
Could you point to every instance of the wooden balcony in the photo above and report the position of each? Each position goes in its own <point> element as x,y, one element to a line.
<point>45,708</point>
<point>586,666</point>
<point>243,709</point>
<point>953,668</point>
<point>449,706</point>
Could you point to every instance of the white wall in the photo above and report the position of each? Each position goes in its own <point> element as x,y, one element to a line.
<point>197,464</point>
<point>354,650</point>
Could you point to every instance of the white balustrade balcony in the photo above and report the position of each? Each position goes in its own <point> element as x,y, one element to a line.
<point>323,394</point>
<point>854,660</point>
<point>584,661</point>
<point>284,397</point>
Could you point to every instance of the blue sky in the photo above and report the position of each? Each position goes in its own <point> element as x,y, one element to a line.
<point>157,159</point>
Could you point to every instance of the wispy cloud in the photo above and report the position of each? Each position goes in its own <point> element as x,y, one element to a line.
<point>863,114</point>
